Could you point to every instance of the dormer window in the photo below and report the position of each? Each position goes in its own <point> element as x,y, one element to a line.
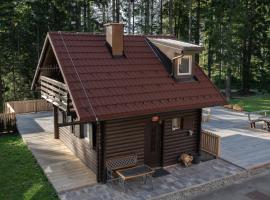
<point>184,65</point>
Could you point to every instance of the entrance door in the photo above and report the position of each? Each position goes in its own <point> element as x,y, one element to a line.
<point>152,144</point>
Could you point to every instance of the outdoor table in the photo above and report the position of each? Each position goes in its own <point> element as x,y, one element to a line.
<point>143,171</point>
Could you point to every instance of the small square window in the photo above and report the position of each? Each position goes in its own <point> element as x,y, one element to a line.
<point>184,65</point>
<point>177,123</point>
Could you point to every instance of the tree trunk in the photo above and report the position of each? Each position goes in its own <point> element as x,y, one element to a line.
<point>220,54</point>
<point>113,10</point>
<point>246,65</point>
<point>1,91</point>
<point>170,17</point>
<point>133,18</point>
<point>228,84</point>
<point>103,13</point>
<point>84,15</point>
<point>247,49</point>
<point>146,17</point>
<point>209,59</point>
<point>78,17</point>
<point>197,33</point>
<point>152,16</point>
<point>117,11</point>
<point>129,17</point>
<point>161,17</point>
<point>189,21</point>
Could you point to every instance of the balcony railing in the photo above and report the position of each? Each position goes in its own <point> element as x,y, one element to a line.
<point>55,92</point>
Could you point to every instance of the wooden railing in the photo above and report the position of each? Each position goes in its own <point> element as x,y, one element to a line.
<point>54,92</point>
<point>27,106</point>
<point>7,122</point>
<point>210,143</point>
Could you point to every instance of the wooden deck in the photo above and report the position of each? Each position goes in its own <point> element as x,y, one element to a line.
<point>244,146</point>
<point>63,169</point>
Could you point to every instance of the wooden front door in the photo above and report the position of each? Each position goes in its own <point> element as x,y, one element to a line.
<point>152,144</point>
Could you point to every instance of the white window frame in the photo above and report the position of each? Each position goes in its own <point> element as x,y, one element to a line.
<point>189,63</point>
<point>88,133</point>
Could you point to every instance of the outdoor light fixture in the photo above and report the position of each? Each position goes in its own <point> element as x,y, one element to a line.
<point>155,118</point>
<point>190,132</point>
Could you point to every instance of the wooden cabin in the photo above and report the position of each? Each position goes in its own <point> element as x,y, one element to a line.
<point>117,94</point>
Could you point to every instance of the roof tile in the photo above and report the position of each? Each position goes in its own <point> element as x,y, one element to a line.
<point>136,84</point>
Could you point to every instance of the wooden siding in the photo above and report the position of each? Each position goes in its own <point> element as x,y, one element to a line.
<point>179,141</point>
<point>126,136</point>
<point>79,147</point>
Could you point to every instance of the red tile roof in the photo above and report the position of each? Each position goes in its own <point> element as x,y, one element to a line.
<point>137,84</point>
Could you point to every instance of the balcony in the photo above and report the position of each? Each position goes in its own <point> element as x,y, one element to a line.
<point>55,92</point>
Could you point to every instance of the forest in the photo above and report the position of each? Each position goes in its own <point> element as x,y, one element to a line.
<point>235,35</point>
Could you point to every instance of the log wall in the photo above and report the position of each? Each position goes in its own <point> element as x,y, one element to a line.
<point>80,147</point>
<point>125,136</point>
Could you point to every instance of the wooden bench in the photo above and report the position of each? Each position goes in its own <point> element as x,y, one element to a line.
<point>117,163</point>
<point>262,118</point>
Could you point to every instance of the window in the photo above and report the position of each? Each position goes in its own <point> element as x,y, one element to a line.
<point>177,123</point>
<point>90,134</point>
<point>72,127</point>
<point>184,65</point>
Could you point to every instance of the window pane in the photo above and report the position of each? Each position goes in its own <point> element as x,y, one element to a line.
<point>88,132</point>
<point>184,65</point>
<point>175,123</point>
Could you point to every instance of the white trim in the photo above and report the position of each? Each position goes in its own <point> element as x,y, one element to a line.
<point>190,65</point>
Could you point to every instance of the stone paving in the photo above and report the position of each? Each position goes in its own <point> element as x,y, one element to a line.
<point>179,178</point>
<point>246,147</point>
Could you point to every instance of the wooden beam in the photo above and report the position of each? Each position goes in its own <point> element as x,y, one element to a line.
<point>71,123</point>
<point>56,126</point>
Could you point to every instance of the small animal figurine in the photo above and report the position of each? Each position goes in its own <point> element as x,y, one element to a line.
<point>186,159</point>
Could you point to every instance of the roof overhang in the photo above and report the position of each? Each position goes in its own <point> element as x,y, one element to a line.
<point>179,46</point>
<point>40,61</point>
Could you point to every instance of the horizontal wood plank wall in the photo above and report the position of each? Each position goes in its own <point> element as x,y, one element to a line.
<point>79,147</point>
<point>126,136</point>
<point>179,141</point>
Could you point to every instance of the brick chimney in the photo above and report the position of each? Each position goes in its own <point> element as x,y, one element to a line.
<point>115,37</point>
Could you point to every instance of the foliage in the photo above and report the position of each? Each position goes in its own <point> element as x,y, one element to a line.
<point>21,177</point>
<point>253,103</point>
<point>235,34</point>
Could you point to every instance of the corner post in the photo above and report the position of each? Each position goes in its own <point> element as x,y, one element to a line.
<point>56,127</point>
<point>200,132</point>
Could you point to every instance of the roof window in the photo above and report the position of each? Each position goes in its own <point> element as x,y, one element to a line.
<point>184,65</point>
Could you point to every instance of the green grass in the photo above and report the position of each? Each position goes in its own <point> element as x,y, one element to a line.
<point>253,103</point>
<point>20,175</point>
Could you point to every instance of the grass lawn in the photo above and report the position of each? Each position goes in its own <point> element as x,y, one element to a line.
<point>20,175</point>
<point>253,103</point>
